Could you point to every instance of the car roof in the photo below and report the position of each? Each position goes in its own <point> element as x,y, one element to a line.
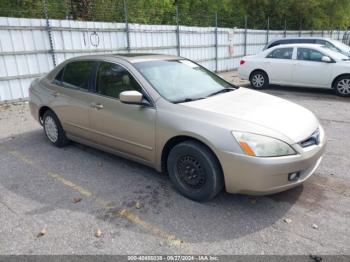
<point>301,38</point>
<point>296,45</point>
<point>130,57</point>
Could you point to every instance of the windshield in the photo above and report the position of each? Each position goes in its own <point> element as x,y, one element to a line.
<point>340,45</point>
<point>181,80</point>
<point>334,54</point>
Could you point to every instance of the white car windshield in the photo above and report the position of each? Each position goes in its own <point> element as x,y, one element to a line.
<point>182,80</point>
<point>334,54</point>
<point>340,45</point>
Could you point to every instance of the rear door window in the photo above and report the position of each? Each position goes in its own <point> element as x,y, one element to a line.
<point>59,75</point>
<point>281,53</point>
<point>77,74</point>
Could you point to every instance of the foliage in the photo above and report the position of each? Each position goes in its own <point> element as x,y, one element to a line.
<point>305,14</point>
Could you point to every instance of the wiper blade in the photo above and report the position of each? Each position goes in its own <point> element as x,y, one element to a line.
<point>187,100</point>
<point>224,90</point>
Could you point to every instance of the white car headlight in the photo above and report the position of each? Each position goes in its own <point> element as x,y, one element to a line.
<point>262,146</point>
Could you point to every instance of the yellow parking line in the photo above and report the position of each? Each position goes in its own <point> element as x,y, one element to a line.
<point>172,239</point>
<point>21,157</point>
<point>123,213</point>
<point>70,184</point>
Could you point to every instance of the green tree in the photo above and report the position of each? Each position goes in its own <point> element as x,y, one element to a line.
<point>305,14</point>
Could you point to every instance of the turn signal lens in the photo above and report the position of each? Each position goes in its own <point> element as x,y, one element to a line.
<point>262,146</point>
<point>247,149</point>
<point>241,62</point>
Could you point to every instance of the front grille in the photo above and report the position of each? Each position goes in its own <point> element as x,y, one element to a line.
<point>314,139</point>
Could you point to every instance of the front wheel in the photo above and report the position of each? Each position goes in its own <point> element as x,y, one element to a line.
<point>342,86</point>
<point>259,80</point>
<point>195,171</point>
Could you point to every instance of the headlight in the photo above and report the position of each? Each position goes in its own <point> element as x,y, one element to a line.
<point>262,146</point>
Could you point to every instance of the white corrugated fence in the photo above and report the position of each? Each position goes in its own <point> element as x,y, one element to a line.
<point>29,48</point>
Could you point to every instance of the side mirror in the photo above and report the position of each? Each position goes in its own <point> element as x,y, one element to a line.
<point>326,59</point>
<point>132,97</point>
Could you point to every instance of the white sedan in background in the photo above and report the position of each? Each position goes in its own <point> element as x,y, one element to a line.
<point>306,65</point>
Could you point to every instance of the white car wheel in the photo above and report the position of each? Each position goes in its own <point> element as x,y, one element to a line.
<point>259,80</point>
<point>342,86</point>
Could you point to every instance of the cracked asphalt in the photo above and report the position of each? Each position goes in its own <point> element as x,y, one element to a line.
<point>75,191</point>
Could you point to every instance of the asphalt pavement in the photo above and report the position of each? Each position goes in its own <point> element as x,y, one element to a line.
<point>79,200</point>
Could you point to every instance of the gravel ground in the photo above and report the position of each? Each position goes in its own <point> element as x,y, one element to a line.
<point>79,200</point>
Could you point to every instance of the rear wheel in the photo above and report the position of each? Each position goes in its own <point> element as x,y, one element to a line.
<point>195,171</point>
<point>53,129</point>
<point>342,86</point>
<point>259,79</point>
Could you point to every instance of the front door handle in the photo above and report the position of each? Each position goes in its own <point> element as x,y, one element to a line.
<point>96,106</point>
<point>56,94</point>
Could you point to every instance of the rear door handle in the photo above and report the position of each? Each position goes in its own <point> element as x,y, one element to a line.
<point>96,106</point>
<point>56,94</point>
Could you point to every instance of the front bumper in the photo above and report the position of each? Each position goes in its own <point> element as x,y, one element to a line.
<point>262,176</point>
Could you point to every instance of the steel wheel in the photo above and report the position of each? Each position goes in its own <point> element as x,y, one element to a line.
<point>51,129</point>
<point>191,172</point>
<point>195,171</point>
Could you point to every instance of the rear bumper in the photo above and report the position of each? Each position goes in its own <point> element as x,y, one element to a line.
<point>34,110</point>
<point>262,176</point>
<point>242,74</point>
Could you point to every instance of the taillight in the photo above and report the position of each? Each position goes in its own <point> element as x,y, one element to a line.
<point>241,62</point>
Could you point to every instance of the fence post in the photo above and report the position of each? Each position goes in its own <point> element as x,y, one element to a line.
<point>127,31</point>
<point>268,30</point>
<point>300,28</point>
<point>338,34</point>
<point>285,28</point>
<point>312,32</point>
<point>177,31</point>
<point>49,32</point>
<point>322,33</point>
<point>245,34</point>
<point>216,41</point>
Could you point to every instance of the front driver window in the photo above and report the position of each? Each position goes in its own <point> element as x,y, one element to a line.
<point>112,79</point>
<point>308,54</point>
<point>281,53</point>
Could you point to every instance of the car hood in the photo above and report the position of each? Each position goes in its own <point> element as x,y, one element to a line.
<point>267,111</point>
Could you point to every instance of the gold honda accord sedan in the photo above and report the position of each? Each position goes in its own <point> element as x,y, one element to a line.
<point>174,115</point>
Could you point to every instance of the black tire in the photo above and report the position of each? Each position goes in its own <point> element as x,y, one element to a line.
<point>259,79</point>
<point>342,86</point>
<point>50,121</point>
<point>195,171</point>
